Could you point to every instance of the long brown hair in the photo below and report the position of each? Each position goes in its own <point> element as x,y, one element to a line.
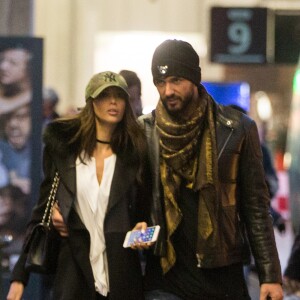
<point>127,139</point>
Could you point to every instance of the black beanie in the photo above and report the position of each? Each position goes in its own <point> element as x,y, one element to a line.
<point>176,58</point>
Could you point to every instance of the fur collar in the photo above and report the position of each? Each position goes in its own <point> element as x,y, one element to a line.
<point>57,136</point>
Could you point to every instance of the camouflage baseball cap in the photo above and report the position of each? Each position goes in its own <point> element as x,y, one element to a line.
<point>99,82</point>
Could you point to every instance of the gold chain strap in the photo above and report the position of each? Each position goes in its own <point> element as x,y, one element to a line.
<point>51,200</point>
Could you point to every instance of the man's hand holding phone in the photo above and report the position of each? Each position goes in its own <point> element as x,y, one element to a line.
<point>141,237</point>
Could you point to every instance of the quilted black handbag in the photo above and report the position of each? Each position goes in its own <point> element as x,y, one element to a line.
<point>41,246</point>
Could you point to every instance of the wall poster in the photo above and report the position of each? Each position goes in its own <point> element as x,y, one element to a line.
<point>20,139</point>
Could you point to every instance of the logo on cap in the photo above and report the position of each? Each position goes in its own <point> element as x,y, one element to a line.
<point>162,69</point>
<point>110,77</point>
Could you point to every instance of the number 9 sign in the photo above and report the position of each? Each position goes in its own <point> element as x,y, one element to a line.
<point>238,35</point>
<point>241,36</point>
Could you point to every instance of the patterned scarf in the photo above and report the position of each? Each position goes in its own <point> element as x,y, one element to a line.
<point>189,154</point>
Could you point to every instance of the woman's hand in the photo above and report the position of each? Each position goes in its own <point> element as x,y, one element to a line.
<point>58,221</point>
<point>15,291</point>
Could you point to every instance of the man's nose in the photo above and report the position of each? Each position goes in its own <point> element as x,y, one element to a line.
<point>169,90</point>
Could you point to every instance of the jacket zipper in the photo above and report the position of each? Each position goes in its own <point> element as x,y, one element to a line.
<point>229,123</point>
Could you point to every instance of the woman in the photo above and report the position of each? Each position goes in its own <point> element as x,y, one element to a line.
<point>100,157</point>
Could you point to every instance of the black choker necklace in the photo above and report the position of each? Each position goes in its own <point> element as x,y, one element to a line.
<point>102,142</point>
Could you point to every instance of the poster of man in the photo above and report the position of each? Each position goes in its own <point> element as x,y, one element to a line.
<point>15,77</point>
<point>20,139</point>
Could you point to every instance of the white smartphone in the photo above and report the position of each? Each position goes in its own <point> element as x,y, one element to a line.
<point>150,235</point>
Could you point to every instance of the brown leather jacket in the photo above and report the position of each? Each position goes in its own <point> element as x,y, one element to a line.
<point>243,196</point>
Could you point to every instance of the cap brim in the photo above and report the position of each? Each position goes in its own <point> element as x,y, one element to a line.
<point>105,86</point>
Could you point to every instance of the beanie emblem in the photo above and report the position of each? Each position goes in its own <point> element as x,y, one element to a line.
<point>162,69</point>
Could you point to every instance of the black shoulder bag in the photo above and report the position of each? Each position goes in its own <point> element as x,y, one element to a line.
<point>40,247</point>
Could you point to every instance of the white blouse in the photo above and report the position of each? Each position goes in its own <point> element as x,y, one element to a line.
<point>91,205</point>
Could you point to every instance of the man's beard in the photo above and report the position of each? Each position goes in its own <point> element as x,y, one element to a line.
<point>178,113</point>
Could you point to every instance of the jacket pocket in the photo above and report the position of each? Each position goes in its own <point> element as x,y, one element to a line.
<point>230,227</point>
<point>228,167</point>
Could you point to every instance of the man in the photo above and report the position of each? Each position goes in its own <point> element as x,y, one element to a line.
<point>15,147</point>
<point>291,280</point>
<point>15,79</point>
<point>14,215</point>
<point>208,189</point>
<point>50,101</point>
<point>134,90</point>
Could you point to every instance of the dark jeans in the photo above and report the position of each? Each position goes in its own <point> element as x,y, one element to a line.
<point>162,295</point>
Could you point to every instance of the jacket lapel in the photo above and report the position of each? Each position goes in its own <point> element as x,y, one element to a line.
<point>123,177</point>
